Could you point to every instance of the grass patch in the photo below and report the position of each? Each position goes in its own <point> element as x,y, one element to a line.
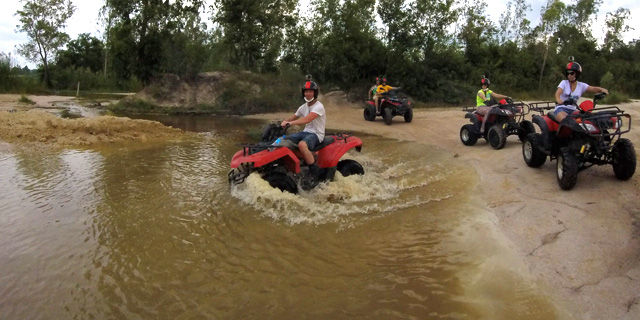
<point>24,99</point>
<point>615,98</point>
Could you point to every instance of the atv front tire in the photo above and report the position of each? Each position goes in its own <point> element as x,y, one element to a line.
<point>567,169</point>
<point>408,115</point>
<point>370,113</point>
<point>349,167</point>
<point>624,159</point>
<point>387,115</point>
<point>531,153</point>
<point>281,181</point>
<point>497,137</point>
<point>468,135</point>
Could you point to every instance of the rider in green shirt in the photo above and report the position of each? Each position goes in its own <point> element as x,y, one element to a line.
<point>484,99</point>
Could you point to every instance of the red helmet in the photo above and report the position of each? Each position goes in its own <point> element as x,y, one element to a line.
<point>573,66</point>
<point>484,81</point>
<point>310,85</point>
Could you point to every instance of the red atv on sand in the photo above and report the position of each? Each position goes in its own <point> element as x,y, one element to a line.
<point>282,165</point>
<point>590,136</point>
<point>505,118</point>
<point>392,103</point>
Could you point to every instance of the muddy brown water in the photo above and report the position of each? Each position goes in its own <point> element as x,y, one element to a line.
<point>153,231</point>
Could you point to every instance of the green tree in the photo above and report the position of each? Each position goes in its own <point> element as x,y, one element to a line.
<point>345,48</point>
<point>83,52</point>
<point>580,15</point>
<point>141,34</point>
<point>43,22</point>
<point>513,22</point>
<point>616,26</point>
<point>253,30</point>
<point>551,19</point>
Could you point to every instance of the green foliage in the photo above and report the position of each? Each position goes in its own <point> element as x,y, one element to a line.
<point>84,52</point>
<point>435,50</point>
<point>608,81</point>
<point>249,93</point>
<point>24,99</point>
<point>253,30</point>
<point>615,98</point>
<point>43,21</point>
<point>143,36</point>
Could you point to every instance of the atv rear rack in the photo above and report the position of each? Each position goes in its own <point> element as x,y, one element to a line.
<point>542,106</point>
<point>520,104</point>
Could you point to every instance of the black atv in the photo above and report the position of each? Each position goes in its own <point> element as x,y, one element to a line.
<point>505,118</point>
<point>590,136</point>
<point>392,103</point>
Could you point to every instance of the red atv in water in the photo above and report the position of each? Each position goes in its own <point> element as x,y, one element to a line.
<point>282,165</point>
<point>392,103</point>
<point>590,136</point>
<point>505,118</point>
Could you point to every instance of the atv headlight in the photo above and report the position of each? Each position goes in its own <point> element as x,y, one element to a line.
<point>591,128</point>
<point>617,124</point>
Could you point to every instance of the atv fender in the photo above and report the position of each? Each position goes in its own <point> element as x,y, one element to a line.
<point>544,131</point>
<point>329,156</point>
<point>261,158</point>
<point>473,118</point>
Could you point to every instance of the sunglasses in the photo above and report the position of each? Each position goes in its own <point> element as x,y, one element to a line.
<point>570,73</point>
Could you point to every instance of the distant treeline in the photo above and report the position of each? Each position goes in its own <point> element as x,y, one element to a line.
<point>437,50</point>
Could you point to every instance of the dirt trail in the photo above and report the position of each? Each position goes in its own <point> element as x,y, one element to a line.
<point>583,244</point>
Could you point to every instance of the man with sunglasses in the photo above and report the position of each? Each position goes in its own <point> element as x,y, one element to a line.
<point>570,90</point>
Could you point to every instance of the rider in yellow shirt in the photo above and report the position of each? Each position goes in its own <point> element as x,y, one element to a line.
<point>382,89</point>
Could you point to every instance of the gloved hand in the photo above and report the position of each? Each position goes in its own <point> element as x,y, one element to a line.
<point>569,102</point>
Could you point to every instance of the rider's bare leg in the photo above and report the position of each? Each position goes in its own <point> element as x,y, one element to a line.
<point>561,115</point>
<point>306,154</point>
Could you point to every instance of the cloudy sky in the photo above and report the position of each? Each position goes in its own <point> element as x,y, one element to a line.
<point>85,20</point>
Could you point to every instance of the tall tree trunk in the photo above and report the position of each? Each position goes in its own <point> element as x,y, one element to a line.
<point>544,61</point>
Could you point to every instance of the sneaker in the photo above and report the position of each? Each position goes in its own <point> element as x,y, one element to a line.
<point>314,170</point>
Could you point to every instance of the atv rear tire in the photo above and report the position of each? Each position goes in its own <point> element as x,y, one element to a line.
<point>408,115</point>
<point>468,135</point>
<point>387,115</point>
<point>624,159</point>
<point>281,181</point>
<point>349,167</point>
<point>531,152</point>
<point>497,137</point>
<point>370,113</point>
<point>567,169</point>
<point>525,128</point>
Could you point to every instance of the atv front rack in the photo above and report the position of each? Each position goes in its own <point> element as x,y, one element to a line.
<point>604,119</point>
<point>251,148</point>
<point>239,174</point>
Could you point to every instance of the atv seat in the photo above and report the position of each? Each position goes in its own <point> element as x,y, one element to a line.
<point>552,116</point>
<point>291,145</point>
<point>325,142</point>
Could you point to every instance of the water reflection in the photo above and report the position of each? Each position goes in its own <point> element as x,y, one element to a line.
<point>153,231</point>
